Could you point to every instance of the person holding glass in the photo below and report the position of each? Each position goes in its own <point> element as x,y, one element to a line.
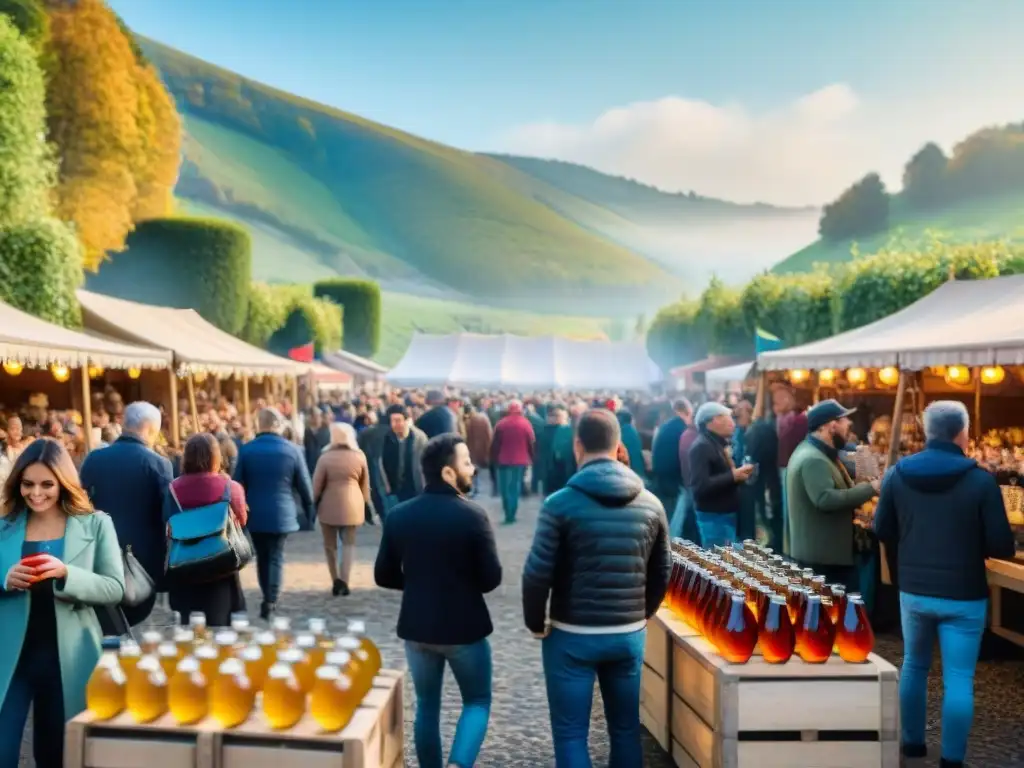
<point>60,559</point>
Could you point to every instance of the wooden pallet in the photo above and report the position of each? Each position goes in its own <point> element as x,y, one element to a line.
<point>793,715</point>
<point>656,676</point>
<point>373,739</point>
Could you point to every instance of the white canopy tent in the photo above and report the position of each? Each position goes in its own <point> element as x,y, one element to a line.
<point>731,376</point>
<point>524,363</point>
<point>963,322</point>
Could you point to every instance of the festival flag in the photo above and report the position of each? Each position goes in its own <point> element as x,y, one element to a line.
<point>302,354</point>
<point>766,342</point>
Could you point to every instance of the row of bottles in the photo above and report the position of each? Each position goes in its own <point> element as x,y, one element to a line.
<point>193,673</point>
<point>740,599</point>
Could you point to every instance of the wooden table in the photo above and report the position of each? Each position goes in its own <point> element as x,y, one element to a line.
<point>1005,575</point>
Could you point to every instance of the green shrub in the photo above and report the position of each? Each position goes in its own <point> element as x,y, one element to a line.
<point>673,338</point>
<point>293,315</point>
<point>361,301</point>
<point>29,18</point>
<point>796,308</point>
<point>26,164</point>
<point>205,264</point>
<point>40,269</point>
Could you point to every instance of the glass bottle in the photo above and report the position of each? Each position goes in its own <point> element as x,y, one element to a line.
<point>301,668</point>
<point>838,602</point>
<point>357,669</point>
<point>128,656</point>
<point>240,626</point>
<point>106,691</point>
<point>226,642</point>
<point>168,655</point>
<point>333,700</point>
<point>855,639</point>
<point>305,668</point>
<point>231,695</point>
<point>146,694</point>
<point>187,694</point>
<point>708,597</point>
<point>283,631</point>
<point>197,623</point>
<point>267,641</point>
<point>185,639</point>
<point>816,633</point>
<point>796,598</point>
<point>209,660</point>
<point>717,612</point>
<point>255,666</point>
<point>807,577</point>
<point>737,635</point>
<point>151,640</point>
<point>818,586</point>
<point>284,701</point>
<point>775,632</point>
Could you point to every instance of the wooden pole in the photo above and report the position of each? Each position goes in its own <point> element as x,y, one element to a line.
<point>762,395</point>
<point>86,408</point>
<point>295,395</point>
<point>977,404</point>
<point>192,402</point>
<point>172,380</point>
<point>897,420</point>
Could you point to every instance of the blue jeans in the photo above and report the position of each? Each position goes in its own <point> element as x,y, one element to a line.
<point>510,481</point>
<point>35,685</point>
<point>716,528</point>
<point>471,665</point>
<point>571,662</point>
<point>959,625</point>
<point>269,563</point>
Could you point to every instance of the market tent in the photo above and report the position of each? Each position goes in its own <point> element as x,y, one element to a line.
<point>36,343</point>
<point>720,379</point>
<point>360,368</point>
<point>963,322</point>
<point>524,363</point>
<point>198,346</point>
<point>328,377</point>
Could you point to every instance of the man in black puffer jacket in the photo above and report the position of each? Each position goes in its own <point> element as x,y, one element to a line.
<point>601,551</point>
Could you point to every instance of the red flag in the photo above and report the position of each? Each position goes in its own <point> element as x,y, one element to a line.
<point>303,354</point>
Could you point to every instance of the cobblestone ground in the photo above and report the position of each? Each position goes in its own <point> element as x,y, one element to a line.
<point>519,732</point>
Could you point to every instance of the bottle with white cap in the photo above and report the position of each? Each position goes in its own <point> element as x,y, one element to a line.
<point>232,697</point>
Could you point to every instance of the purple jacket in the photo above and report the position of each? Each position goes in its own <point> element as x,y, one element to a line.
<point>513,442</point>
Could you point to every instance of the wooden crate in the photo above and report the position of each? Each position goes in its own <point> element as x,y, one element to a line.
<point>373,739</point>
<point>793,715</point>
<point>656,675</point>
<point>1004,575</point>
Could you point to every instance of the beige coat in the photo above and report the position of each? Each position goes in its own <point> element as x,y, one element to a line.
<point>341,486</point>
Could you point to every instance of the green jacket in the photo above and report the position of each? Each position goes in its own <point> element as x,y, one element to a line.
<point>95,577</point>
<point>821,499</point>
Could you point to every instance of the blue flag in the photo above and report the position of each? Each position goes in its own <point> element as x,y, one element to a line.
<point>766,342</point>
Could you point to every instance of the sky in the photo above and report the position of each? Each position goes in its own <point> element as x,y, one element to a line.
<point>782,101</point>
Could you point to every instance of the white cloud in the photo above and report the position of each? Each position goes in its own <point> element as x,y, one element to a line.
<point>804,152</point>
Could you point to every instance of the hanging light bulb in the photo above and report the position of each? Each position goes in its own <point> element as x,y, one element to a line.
<point>199,378</point>
<point>95,371</point>
<point>889,376</point>
<point>856,376</point>
<point>134,373</point>
<point>958,374</point>
<point>798,376</point>
<point>60,372</point>
<point>993,374</point>
<point>827,377</point>
<point>13,367</point>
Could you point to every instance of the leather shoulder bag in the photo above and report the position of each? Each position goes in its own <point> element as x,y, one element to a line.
<point>206,543</point>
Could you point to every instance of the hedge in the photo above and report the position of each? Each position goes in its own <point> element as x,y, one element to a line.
<point>806,307</point>
<point>286,316</point>
<point>40,269</point>
<point>205,264</point>
<point>27,170</point>
<point>361,301</point>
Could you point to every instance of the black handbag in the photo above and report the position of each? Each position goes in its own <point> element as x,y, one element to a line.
<point>206,543</point>
<point>138,585</point>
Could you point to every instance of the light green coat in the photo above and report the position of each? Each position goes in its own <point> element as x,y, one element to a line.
<point>95,577</point>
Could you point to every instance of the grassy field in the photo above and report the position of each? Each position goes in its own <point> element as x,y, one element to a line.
<point>995,218</point>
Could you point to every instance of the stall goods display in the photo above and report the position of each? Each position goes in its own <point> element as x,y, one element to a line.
<point>745,597</point>
<point>229,675</point>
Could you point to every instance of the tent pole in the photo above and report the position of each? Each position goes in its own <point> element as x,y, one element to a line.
<point>246,415</point>
<point>897,420</point>
<point>295,395</point>
<point>762,394</point>
<point>192,402</point>
<point>172,382</point>
<point>86,408</point>
<point>977,403</point>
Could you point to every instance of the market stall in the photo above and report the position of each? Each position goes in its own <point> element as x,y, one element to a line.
<point>200,349</point>
<point>963,341</point>
<point>28,343</point>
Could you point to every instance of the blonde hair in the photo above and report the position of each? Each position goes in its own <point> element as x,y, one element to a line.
<point>343,434</point>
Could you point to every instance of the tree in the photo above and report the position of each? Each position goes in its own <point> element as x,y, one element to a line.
<point>29,17</point>
<point>26,167</point>
<point>861,210</point>
<point>40,270</point>
<point>360,301</point>
<point>924,177</point>
<point>156,165</point>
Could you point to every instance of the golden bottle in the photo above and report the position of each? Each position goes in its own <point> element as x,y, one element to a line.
<point>255,666</point>
<point>283,631</point>
<point>227,643</point>
<point>284,701</point>
<point>301,666</point>
<point>197,623</point>
<point>187,694</point>
<point>185,639</point>
<point>106,691</point>
<point>307,643</point>
<point>240,625</point>
<point>209,660</point>
<point>317,627</point>
<point>267,641</point>
<point>168,655</point>
<point>358,668</point>
<point>357,629</point>
<point>151,640</point>
<point>333,700</point>
<point>232,697</point>
<point>146,695</point>
<point>128,656</point>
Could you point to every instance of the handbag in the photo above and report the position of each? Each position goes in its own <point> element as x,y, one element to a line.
<point>138,585</point>
<point>206,543</point>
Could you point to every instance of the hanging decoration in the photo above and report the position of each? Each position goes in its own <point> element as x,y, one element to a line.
<point>799,376</point>
<point>889,376</point>
<point>856,376</point>
<point>827,377</point>
<point>959,375</point>
<point>13,367</point>
<point>60,372</point>
<point>993,374</point>
<point>134,373</point>
<point>95,371</point>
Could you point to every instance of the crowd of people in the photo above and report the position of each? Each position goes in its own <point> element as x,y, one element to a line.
<point>417,462</point>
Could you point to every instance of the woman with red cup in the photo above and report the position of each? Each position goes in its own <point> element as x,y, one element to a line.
<point>60,559</point>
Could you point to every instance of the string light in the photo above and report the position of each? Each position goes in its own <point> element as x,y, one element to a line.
<point>60,372</point>
<point>958,374</point>
<point>889,376</point>
<point>95,371</point>
<point>993,374</point>
<point>13,367</point>
<point>134,373</point>
<point>856,376</point>
<point>827,377</point>
<point>799,376</point>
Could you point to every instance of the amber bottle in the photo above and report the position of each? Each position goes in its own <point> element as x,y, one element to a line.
<point>816,634</point>
<point>737,635</point>
<point>854,637</point>
<point>775,632</point>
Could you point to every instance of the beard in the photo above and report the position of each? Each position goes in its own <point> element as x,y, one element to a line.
<point>464,484</point>
<point>838,441</point>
